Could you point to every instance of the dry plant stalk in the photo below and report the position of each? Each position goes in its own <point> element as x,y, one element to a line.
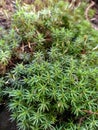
<point>74,4</point>
<point>87,16</point>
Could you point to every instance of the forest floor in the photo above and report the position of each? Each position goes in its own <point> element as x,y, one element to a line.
<point>6,11</point>
<point>7,8</point>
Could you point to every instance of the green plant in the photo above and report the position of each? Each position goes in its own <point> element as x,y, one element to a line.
<point>47,95</point>
<point>57,89</point>
<point>8,42</point>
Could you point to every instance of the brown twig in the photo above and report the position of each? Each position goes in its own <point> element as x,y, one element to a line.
<point>74,4</point>
<point>81,120</point>
<point>90,112</point>
<point>87,12</point>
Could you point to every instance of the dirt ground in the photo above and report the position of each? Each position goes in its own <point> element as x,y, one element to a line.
<point>5,123</point>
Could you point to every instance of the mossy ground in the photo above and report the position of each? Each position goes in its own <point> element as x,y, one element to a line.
<point>49,68</point>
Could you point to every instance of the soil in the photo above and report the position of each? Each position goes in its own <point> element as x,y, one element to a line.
<point>6,11</point>
<point>5,123</point>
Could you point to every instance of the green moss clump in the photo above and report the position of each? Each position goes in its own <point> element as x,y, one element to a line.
<point>56,86</point>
